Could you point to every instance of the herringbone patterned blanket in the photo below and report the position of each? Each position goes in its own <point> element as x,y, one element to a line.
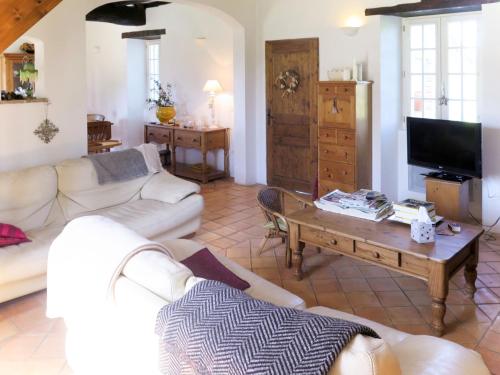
<point>216,329</point>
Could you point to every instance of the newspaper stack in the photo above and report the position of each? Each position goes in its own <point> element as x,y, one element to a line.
<point>363,204</point>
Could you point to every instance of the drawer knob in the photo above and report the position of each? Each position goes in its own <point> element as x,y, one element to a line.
<point>333,242</point>
<point>151,134</point>
<point>346,155</point>
<point>327,169</point>
<point>346,137</point>
<point>195,140</point>
<point>179,138</point>
<point>330,176</point>
<point>326,151</point>
<point>376,255</point>
<point>345,173</point>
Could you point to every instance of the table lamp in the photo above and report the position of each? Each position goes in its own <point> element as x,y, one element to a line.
<point>212,87</point>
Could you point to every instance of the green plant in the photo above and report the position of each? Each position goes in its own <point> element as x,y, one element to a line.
<point>164,97</point>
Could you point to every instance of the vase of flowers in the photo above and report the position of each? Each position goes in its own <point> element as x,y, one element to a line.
<point>164,103</point>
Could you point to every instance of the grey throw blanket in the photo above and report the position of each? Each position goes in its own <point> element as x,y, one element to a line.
<point>119,166</point>
<point>216,329</point>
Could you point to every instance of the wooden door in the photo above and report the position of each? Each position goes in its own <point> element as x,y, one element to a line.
<point>292,116</point>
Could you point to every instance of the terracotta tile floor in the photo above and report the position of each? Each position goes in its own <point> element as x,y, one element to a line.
<point>232,225</point>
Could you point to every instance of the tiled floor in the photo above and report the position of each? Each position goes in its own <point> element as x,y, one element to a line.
<point>32,344</point>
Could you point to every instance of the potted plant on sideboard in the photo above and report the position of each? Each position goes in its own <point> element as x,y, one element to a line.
<point>163,101</point>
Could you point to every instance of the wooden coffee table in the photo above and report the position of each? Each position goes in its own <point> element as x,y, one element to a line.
<point>389,245</point>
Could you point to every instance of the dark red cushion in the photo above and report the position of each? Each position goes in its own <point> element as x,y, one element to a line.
<point>204,264</point>
<point>11,235</point>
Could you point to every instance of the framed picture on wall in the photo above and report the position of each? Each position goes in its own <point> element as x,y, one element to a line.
<point>12,63</point>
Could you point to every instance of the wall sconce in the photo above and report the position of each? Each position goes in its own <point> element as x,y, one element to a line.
<point>352,26</point>
<point>212,87</point>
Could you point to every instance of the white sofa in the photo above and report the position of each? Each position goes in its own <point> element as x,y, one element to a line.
<point>120,338</point>
<point>41,200</point>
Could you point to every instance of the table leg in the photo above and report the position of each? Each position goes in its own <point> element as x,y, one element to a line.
<point>174,160</point>
<point>438,289</point>
<point>298,259</point>
<point>204,172</point>
<point>470,271</point>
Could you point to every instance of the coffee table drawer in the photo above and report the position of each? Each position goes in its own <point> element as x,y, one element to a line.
<point>377,254</point>
<point>327,240</point>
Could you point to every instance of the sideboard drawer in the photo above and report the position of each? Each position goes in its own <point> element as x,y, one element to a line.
<point>378,254</point>
<point>346,138</point>
<point>339,172</point>
<point>327,240</point>
<point>216,140</point>
<point>158,135</point>
<point>328,135</point>
<point>187,139</point>
<point>345,154</point>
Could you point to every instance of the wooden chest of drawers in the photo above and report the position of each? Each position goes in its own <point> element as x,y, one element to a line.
<point>344,136</point>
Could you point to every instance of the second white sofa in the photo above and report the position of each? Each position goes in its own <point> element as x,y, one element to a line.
<point>41,200</point>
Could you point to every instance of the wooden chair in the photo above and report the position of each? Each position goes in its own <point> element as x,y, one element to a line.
<point>272,202</point>
<point>99,136</point>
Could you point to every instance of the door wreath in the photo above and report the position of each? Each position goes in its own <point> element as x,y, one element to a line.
<point>288,82</point>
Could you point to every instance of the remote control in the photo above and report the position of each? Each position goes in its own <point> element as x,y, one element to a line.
<point>454,227</point>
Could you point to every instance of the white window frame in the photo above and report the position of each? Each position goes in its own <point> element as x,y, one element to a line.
<point>151,93</point>
<point>441,59</point>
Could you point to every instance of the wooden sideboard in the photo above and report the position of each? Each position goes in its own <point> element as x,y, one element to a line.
<point>205,140</point>
<point>344,136</point>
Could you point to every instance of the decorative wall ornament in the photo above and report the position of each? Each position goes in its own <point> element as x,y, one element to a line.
<point>288,82</point>
<point>46,131</point>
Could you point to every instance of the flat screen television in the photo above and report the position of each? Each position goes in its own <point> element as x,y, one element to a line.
<point>448,146</point>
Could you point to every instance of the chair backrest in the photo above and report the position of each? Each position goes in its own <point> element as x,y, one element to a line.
<point>270,200</point>
<point>95,117</point>
<point>99,131</point>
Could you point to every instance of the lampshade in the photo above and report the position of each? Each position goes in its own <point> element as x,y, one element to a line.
<point>212,86</point>
<point>28,73</point>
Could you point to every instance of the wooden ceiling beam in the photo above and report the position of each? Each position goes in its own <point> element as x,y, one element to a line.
<point>430,7</point>
<point>18,16</point>
<point>145,34</point>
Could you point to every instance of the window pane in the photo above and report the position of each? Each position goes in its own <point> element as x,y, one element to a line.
<point>429,87</point>
<point>454,34</point>
<point>416,61</point>
<point>469,64</point>
<point>430,36</point>
<point>454,60</point>
<point>455,86</point>
<point>416,36</point>
<point>430,61</point>
<point>417,109</point>
<point>416,86</point>
<point>470,111</point>
<point>469,33</point>
<point>470,87</point>
<point>455,110</point>
<point>429,108</point>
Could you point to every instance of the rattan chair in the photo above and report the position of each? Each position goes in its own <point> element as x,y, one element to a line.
<point>272,202</point>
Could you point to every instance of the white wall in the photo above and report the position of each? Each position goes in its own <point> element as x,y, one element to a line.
<point>64,72</point>
<point>289,19</point>
<point>117,76</point>
<point>490,114</point>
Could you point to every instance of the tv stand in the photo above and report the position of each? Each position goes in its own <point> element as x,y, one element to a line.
<point>447,176</point>
<point>450,197</point>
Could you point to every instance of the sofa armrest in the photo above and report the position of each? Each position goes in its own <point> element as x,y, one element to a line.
<point>167,188</point>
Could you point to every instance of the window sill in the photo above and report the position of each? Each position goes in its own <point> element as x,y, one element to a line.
<point>24,101</point>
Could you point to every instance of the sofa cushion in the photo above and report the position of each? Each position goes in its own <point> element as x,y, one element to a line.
<point>150,218</point>
<point>27,260</point>
<point>80,192</point>
<point>27,196</point>
<point>11,235</point>
<point>168,188</point>
<point>259,287</point>
<point>205,265</point>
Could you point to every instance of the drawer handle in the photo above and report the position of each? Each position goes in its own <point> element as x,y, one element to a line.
<point>376,255</point>
<point>165,136</point>
<point>346,137</point>
<point>345,173</point>
<point>330,176</point>
<point>333,242</point>
<point>326,151</point>
<point>179,138</point>
<point>346,155</point>
<point>346,89</point>
<point>195,140</point>
<point>327,169</point>
<point>151,134</point>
